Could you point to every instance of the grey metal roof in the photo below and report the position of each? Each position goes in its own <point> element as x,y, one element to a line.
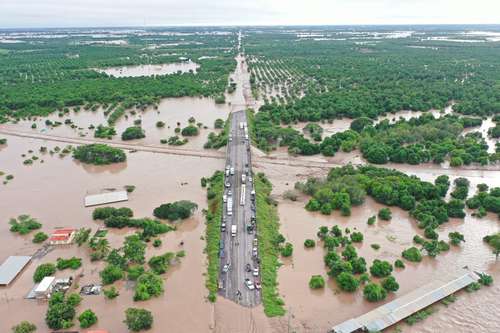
<point>11,267</point>
<point>106,197</point>
<point>389,314</point>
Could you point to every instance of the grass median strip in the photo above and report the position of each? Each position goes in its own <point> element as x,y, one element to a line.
<point>268,232</point>
<point>213,218</point>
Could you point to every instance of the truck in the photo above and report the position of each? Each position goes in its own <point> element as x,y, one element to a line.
<point>234,229</point>
<point>243,178</point>
<point>242,196</point>
<point>232,171</point>
<point>229,206</point>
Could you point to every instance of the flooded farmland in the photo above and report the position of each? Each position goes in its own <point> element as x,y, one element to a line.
<point>53,192</point>
<point>150,70</point>
<point>316,311</point>
<point>171,111</point>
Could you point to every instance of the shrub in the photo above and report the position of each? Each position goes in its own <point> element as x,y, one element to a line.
<point>347,282</point>
<point>134,132</point>
<point>316,282</point>
<point>87,318</point>
<point>485,279</point>
<point>176,210</point>
<point>160,124</point>
<point>456,238</point>
<point>357,237</point>
<point>399,263</point>
<point>385,214</point>
<point>219,123</point>
<point>73,263</point>
<point>374,292</point>
<point>380,268</point>
<point>74,299</point>
<point>24,224</point>
<point>148,285</point>
<point>390,284</point>
<point>412,254</point>
<point>111,293</point>
<point>138,319</point>
<point>371,220</point>
<point>43,270</point>
<point>134,271</point>
<point>309,243</point>
<point>104,132</point>
<point>287,250</point>
<point>24,327</point>
<point>157,242</point>
<point>40,237</point>
<point>99,154</point>
<point>190,130</point>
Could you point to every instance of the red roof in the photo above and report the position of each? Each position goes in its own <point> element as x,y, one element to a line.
<point>63,231</point>
<point>59,237</point>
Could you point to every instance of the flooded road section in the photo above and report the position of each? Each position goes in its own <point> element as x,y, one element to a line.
<point>317,311</point>
<point>53,192</point>
<point>150,70</point>
<point>171,111</point>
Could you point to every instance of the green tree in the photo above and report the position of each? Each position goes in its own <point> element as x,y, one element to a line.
<point>111,274</point>
<point>390,284</point>
<point>87,318</point>
<point>385,214</point>
<point>132,133</point>
<point>40,237</point>
<point>309,243</point>
<point>347,282</point>
<point>138,319</point>
<point>44,270</point>
<point>176,210</point>
<point>148,285</point>
<point>381,268</point>
<point>374,292</point>
<point>412,254</point>
<point>99,154</point>
<point>111,293</point>
<point>287,250</point>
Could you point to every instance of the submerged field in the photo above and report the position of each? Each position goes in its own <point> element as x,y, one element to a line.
<point>323,97</point>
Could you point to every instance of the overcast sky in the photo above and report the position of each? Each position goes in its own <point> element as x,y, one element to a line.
<point>82,13</point>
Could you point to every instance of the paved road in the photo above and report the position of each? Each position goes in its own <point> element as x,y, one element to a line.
<point>238,249</point>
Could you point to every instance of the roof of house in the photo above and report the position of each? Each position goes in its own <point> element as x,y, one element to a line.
<point>45,284</point>
<point>12,267</point>
<point>104,198</point>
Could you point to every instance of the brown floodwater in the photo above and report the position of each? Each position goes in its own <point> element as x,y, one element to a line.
<point>170,111</point>
<point>150,70</point>
<point>53,192</point>
<point>316,311</point>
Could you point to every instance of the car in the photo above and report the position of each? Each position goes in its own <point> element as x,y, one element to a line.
<point>221,253</point>
<point>224,198</point>
<point>248,268</point>
<point>250,179</point>
<point>228,167</point>
<point>230,138</point>
<point>223,227</point>
<point>249,284</point>
<point>229,193</point>
<point>225,269</point>
<point>228,184</point>
<point>221,244</point>
<point>255,242</point>
<point>257,284</point>
<point>255,271</point>
<point>254,252</point>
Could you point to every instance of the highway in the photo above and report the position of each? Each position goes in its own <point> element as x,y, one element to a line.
<point>238,249</point>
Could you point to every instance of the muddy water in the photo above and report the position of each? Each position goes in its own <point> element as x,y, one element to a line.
<point>53,192</point>
<point>150,70</point>
<point>316,311</point>
<point>170,111</point>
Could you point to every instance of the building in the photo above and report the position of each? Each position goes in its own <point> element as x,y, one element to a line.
<point>11,268</point>
<point>44,288</point>
<point>390,313</point>
<point>62,236</point>
<point>105,198</point>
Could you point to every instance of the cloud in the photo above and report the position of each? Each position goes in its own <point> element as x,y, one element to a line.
<point>73,13</point>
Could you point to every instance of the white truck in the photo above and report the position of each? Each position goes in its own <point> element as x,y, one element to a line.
<point>234,230</point>
<point>229,206</point>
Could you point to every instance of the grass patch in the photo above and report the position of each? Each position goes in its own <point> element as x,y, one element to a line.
<point>419,316</point>
<point>251,125</point>
<point>268,232</point>
<point>213,218</point>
